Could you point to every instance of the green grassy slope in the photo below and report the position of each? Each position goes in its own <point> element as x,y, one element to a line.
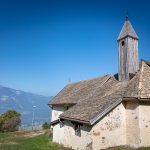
<point>17,141</point>
<point>23,141</point>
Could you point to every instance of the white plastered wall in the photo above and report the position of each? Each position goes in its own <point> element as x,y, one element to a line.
<point>58,129</point>
<point>111,130</point>
<point>138,123</point>
<point>127,124</point>
<point>132,120</point>
<point>144,124</point>
<point>76,142</point>
<point>58,134</point>
<point>108,132</point>
<point>57,111</point>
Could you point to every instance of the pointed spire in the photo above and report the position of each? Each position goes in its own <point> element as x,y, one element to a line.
<point>127,16</point>
<point>127,30</point>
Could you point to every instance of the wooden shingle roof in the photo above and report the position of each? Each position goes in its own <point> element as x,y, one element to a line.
<point>92,99</point>
<point>78,91</point>
<point>92,108</point>
<point>127,30</point>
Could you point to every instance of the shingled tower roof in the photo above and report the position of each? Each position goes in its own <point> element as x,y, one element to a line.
<point>127,30</point>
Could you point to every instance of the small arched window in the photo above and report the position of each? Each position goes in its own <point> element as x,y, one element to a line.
<point>122,43</point>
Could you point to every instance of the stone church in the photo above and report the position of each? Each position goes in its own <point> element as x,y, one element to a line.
<point>108,111</point>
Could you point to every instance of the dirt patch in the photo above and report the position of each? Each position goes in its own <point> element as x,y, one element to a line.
<point>8,143</point>
<point>33,134</point>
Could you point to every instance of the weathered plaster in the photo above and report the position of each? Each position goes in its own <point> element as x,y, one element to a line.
<point>58,129</point>
<point>57,111</point>
<point>111,130</point>
<point>144,124</point>
<point>101,135</point>
<point>127,124</point>
<point>77,142</point>
<point>132,121</point>
<point>58,134</point>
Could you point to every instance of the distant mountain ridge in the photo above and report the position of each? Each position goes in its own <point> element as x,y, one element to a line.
<point>23,102</point>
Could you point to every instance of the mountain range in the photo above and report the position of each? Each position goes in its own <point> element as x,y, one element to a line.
<point>25,103</point>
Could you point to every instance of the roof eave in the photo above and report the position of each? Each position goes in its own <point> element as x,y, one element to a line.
<point>75,120</point>
<point>61,104</point>
<point>136,98</point>
<point>95,119</point>
<point>99,116</point>
<point>54,122</point>
<point>121,38</point>
<point>130,98</point>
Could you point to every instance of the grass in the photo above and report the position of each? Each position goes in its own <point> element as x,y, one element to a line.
<point>17,141</point>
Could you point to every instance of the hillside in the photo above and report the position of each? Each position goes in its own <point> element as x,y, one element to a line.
<point>23,102</point>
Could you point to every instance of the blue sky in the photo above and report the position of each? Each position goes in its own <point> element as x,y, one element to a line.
<point>46,43</point>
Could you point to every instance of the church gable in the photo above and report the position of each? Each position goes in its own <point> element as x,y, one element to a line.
<point>144,85</point>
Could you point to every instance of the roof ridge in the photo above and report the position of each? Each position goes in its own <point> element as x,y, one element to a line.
<point>71,89</point>
<point>107,75</point>
<point>104,80</point>
<point>119,84</point>
<point>102,86</point>
<point>99,86</point>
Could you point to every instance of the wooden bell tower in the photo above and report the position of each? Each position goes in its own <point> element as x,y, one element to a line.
<point>128,51</point>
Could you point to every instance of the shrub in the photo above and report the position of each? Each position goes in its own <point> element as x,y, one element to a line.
<point>10,121</point>
<point>46,126</point>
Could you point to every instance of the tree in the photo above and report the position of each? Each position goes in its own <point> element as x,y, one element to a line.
<point>46,126</point>
<point>10,121</point>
